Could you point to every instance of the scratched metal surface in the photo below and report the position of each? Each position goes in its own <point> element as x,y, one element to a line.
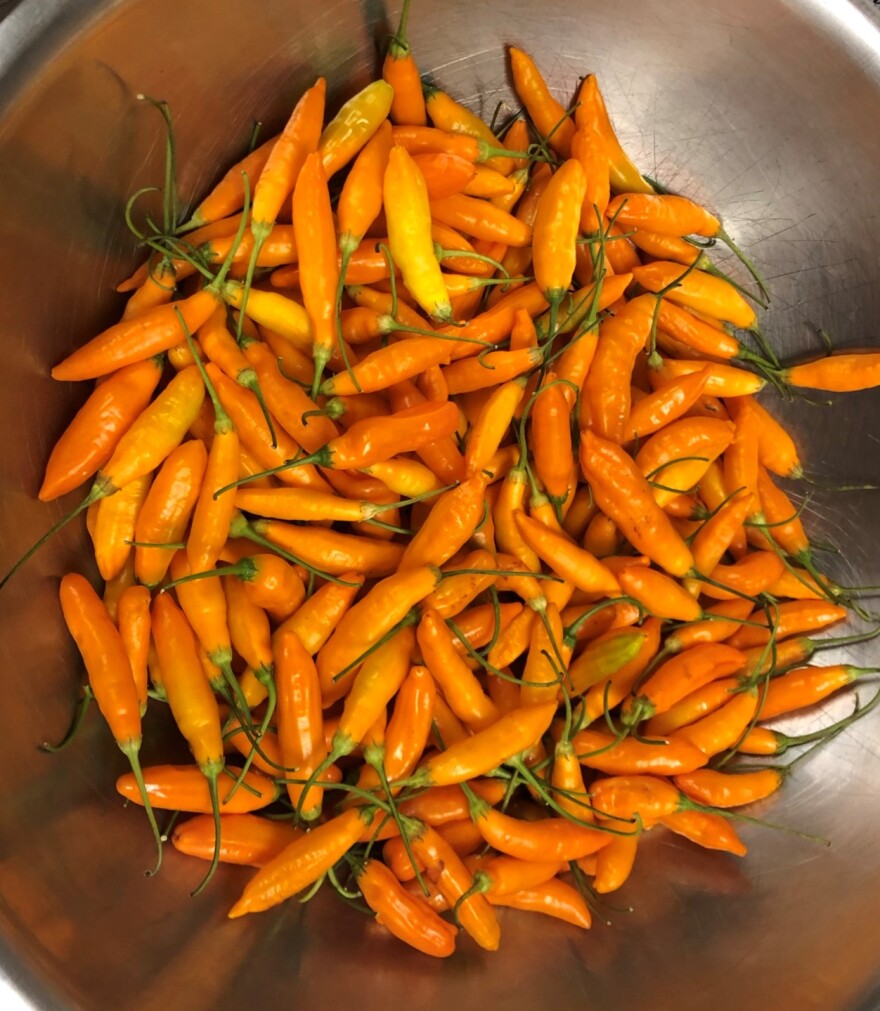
<point>765,109</point>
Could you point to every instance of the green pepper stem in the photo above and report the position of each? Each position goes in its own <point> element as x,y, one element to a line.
<point>131,751</point>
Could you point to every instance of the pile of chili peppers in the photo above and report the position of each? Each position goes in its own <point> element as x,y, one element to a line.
<point>431,495</point>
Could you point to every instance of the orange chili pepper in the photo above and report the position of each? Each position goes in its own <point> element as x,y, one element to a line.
<point>626,797</point>
<point>166,510</point>
<point>677,457</point>
<point>481,220</point>
<point>138,339</point>
<point>589,147</point>
<point>698,290</point>
<point>547,839</point>
<point>460,688</point>
<point>723,728</point>
<point>712,629</point>
<point>454,881</point>
<point>447,114</point>
<point>552,898</point>
<point>386,604</point>
<point>89,440</point>
<point>625,496</point>
<point>204,605</point>
<point>332,552</point>
<point>286,160</point>
<point>837,373</point>
<point>399,70</point>
<point>115,523</point>
<point>389,365</point>
<point>110,678</point>
<point>776,448</point>
<point>566,558</point>
<point>299,720</point>
<point>716,535</point>
<point>447,527</point>
<point>663,213</point>
<point>555,231</point>
<point>542,672</point>
<point>682,674</point>
<point>660,595</point>
<point>300,864</point>
<point>191,700</point>
<point>723,381</point>
<point>711,831</point>
<point>751,575</point>
<point>508,736</point>
<point>806,686</point>
<point>318,265</point>
<point>185,788</point>
<point>607,388</point>
<point>614,863</point>
<point>410,723</point>
<point>697,335</point>
<point>728,789</point>
<point>246,839</point>
<point>551,437</point>
<point>667,403</point>
<point>133,621</point>
<point>442,805</point>
<point>590,110</point>
<point>228,195</point>
<point>406,916</point>
<point>244,410</point>
<point>550,118</point>
<point>597,749</point>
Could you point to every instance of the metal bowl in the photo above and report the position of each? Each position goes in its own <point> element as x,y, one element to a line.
<point>768,111</point>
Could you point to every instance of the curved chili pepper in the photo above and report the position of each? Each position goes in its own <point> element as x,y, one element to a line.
<point>698,290</point>
<point>729,789</point>
<point>681,675</point>
<point>614,863</point>
<point>711,831</point>
<point>455,882</point>
<point>600,750</point>
<point>246,839</point>
<point>110,678</point>
<point>552,898</point>
<point>625,495</point>
<point>406,916</point>
<point>648,798</point>
<point>660,595</point>
<point>555,230</point>
<point>300,864</point>
<point>460,688</point>
<point>355,123</point>
<point>549,117</point>
<point>451,521</point>
<point>590,110</point>
<point>185,788</point>
<point>508,736</point>
<point>115,523</point>
<point>137,339</point>
<point>318,266</point>
<point>722,729</point>
<point>299,720</point>
<point>89,440</point>
<point>837,373</point>
<point>565,557</point>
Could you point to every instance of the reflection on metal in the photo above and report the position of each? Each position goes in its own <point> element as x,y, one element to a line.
<point>766,109</point>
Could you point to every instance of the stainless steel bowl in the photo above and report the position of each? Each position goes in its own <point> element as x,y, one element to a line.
<point>768,110</point>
